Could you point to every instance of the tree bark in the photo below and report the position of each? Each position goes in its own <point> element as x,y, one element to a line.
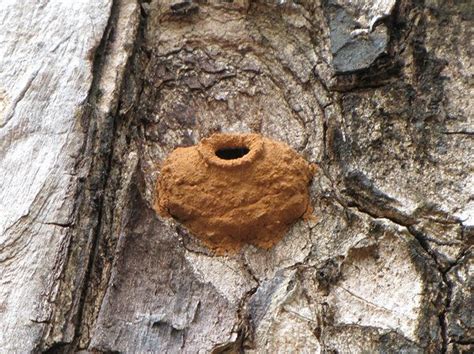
<point>94,95</point>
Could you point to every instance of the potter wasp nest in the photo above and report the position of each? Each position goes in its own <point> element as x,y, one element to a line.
<point>232,190</point>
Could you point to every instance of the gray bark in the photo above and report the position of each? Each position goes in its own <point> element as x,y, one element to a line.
<point>94,95</point>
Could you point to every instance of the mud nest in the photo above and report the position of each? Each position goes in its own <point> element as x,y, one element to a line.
<point>232,190</point>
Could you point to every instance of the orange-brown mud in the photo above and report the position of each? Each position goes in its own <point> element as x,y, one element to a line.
<point>232,190</point>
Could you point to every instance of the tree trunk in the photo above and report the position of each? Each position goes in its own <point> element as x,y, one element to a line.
<point>95,94</point>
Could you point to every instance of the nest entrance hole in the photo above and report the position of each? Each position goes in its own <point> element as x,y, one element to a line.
<point>232,153</point>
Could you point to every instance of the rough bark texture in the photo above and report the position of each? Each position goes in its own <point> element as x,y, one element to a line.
<point>94,95</point>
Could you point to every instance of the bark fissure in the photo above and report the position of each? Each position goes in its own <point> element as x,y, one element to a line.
<point>101,262</point>
<point>100,132</point>
<point>422,241</point>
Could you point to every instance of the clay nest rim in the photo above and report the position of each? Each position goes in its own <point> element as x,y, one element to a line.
<point>231,151</point>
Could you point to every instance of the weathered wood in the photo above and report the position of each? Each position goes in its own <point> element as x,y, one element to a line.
<point>94,96</point>
<point>46,54</point>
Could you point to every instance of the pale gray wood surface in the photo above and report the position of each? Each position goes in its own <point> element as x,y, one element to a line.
<point>46,56</point>
<point>94,95</point>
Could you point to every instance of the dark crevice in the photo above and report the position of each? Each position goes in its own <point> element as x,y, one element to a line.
<point>96,268</point>
<point>56,348</point>
<point>422,241</point>
<point>101,165</point>
<point>233,347</point>
<point>246,335</point>
<point>100,134</point>
<point>443,322</point>
<point>459,133</point>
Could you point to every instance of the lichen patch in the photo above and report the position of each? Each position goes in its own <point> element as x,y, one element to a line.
<point>232,190</point>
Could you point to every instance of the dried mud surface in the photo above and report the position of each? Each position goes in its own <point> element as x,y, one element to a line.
<point>236,200</point>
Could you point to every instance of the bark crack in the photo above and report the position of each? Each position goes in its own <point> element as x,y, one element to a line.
<point>19,97</point>
<point>90,201</point>
<point>422,241</point>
